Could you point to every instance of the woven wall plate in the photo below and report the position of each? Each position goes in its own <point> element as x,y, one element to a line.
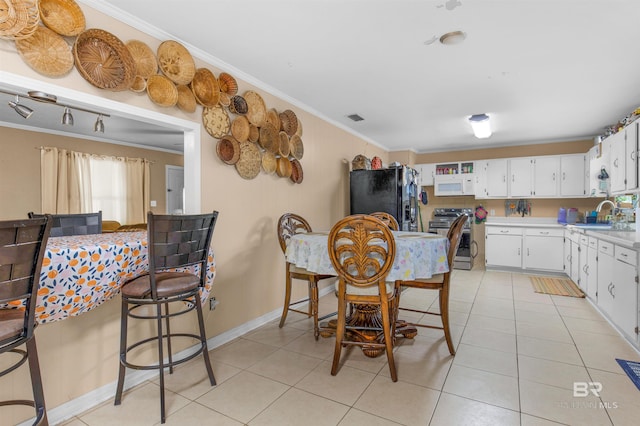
<point>240,128</point>
<point>139,84</point>
<point>216,121</point>
<point>257,110</point>
<point>289,122</point>
<point>269,139</point>
<point>186,99</point>
<point>273,118</point>
<point>238,105</point>
<point>228,150</point>
<point>162,91</point>
<point>269,162</point>
<point>143,56</point>
<point>284,167</point>
<point>62,16</point>
<point>296,147</point>
<point>283,144</point>
<point>228,84</point>
<point>103,60</point>
<point>248,166</point>
<point>254,133</point>
<point>176,62</point>
<point>205,87</point>
<point>46,52</point>
<point>296,171</point>
<point>225,100</point>
<point>18,18</point>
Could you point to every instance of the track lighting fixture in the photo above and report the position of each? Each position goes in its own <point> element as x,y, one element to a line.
<point>23,110</point>
<point>42,97</point>
<point>67,118</point>
<point>99,126</point>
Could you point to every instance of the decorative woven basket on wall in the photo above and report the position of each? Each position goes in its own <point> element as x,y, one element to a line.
<point>18,18</point>
<point>360,162</point>
<point>62,16</point>
<point>176,62</point>
<point>46,52</point>
<point>162,91</point>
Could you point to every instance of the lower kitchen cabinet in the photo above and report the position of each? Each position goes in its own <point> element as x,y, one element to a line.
<point>605,277</point>
<point>533,249</point>
<point>503,247</point>
<point>592,269</point>
<point>624,292</point>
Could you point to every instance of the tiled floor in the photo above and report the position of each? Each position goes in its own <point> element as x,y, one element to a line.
<point>518,356</point>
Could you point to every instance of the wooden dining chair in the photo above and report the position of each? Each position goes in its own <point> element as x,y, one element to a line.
<point>290,224</point>
<point>74,224</point>
<point>440,282</point>
<point>388,220</point>
<point>22,247</point>
<point>174,241</point>
<point>362,250</point>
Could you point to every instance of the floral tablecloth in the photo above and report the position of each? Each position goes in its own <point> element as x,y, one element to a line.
<point>418,254</point>
<point>81,272</point>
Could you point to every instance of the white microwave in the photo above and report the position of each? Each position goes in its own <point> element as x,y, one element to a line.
<point>456,184</point>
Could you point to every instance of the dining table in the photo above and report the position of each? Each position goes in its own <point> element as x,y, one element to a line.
<point>418,255</point>
<point>81,272</point>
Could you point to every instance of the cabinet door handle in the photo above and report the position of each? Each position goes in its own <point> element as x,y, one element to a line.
<point>513,178</point>
<point>584,269</point>
<point>504,231</point>
<point>613,294</point>
<point>518,251</point>
<point>615,163</point>
<point>527,251</point>
<point>633,155</point>
<point>553,176</point>
<point>623,254</point>
<point>544,232</point>
<point>564,176</point>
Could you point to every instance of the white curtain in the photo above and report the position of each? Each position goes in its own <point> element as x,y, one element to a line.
<point>65,181</point>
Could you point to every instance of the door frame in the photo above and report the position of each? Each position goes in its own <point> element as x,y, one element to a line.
<point>168,167</point>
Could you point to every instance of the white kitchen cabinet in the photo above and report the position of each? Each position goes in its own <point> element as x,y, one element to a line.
<point>491,180</point>
<point>625,292</point>
<point>598,160</point>
<point>520,177</point>
<point>503,247</point>
<point>631,158</point>
<point>575,257</point>
<point>617,161</point>
<point>546,173</point>
<point>426,173</point>
<point>543,249</point>
<point>592,269</point>
<point>583,277</point>
<point>605,276</point>
<point>573,175</point>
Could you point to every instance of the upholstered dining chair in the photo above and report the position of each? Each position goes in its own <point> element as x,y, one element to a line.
<point>440,282</point>
<point>290,224</point>
<point>74,224</point>
<point>174,241</point>
<point>362,251</point>
<point>22,247</point>
<point>388,219</point>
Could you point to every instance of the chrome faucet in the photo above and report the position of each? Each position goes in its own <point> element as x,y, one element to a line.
<point>603,202</point>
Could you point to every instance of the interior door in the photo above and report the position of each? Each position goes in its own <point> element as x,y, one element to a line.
<point>175,189</point>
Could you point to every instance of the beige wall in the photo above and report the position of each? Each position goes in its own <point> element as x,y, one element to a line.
<point>20,180</point>
<point>79,354</point>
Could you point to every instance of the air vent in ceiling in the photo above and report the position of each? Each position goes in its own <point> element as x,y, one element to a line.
<point>355,117</point>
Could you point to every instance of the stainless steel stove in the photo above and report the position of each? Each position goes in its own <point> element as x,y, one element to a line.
<point>442,220</point>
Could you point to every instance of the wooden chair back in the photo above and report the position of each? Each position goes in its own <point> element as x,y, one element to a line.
<point>388,220</point>
<point>289,225</point>
<point>454,236</point>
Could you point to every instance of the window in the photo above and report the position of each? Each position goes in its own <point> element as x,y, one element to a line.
<point>108,189</point>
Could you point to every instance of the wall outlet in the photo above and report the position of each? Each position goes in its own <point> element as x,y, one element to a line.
<point>154,203</point>
<point>492,212</point>
<point>213,302</point>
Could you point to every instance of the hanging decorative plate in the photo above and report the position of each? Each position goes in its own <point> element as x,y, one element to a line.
<point>296,171</point>
<point>62,16</point>
<point>162,91</point>
<point>228,150</point>
<point>296,147</point>
<point>104,60</point>
<point>176,62</point>
<point>143,56</point>
<point>240,128</point>
<point>186,100</point>
<point>256,109</point>
<point>46,52</point>
<point>216,121</point>
<point>248,166</point>
<point>269,162</point>
<point>205,87</point>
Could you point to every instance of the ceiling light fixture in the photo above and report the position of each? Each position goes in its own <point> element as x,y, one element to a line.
<point>99,126</point>
<point>22,110</point>
<point>481,125</point>
<point>67,118</point>
<point>454,37</point>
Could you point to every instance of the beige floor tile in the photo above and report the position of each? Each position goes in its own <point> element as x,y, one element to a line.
<point>498,292</point>
<point>569,301</point>
<point>308,345</point>
<point>429,372</point>
<point>600,326</point>
<point>492,310</point>
<point>360,418</point>
<point>459,306</point>
<point>586,311</point>
<point>243,396</point>
<point>427,348</point>
<point>599,351</point>
<point>345,387</point>
<point>455,318</point>
<point>483,386</point>
<point>557,333</point>
<point>195,414</point>
<point>273,335</point>
<point>559,405</point>
<point>527,420</point>
<point>552,373</point>
<point>540,318</point>
<point>545,308</point>
<point>353,356</point>
<point>491,323</point>
<point>241,353</point>
<point>504,342</point>
<point>453,410</point>
<point>140,406</point>
<point>389,400</point>
<point>297,407</point>
<point>619,395</point>
<point>191,380</point>
<point>285,366</point>
<point>487,360</point>
<point>73,422</point>
<point>547,349</point>
<point>527,295</point>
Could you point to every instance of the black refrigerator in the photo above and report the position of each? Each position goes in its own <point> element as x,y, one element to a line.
<point>393,190</point>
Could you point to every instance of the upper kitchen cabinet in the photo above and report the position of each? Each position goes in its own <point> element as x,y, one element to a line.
<point>546,176</point>
<point>426,173</point>
<point>574,175</point>
<point>520,177</point>
<point>491,178</point>
<point>623,161</point>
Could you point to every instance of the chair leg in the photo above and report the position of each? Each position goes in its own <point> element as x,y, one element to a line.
<point>340,331</point>
<point>388,338</point>
<point>160,362</point>
<point>313,305</point>
<point>124,318</point>
<point>169,351</point>
<point>203,337</point>
<point>287,297</point>
<point>36,383</point>
<point>444,312</point>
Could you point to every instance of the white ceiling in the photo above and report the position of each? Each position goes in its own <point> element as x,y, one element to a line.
<point>544,70</point>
